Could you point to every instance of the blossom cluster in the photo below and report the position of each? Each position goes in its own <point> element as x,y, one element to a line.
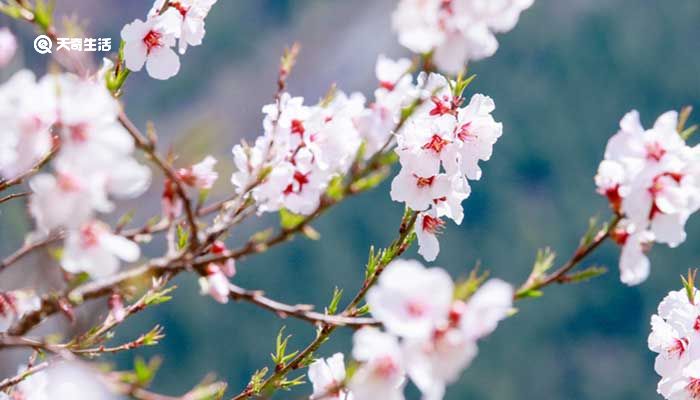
<point>151,42</point>
<point>302,149</point>
<point>430,337</point>
<point>93,166</point>
<point>456,31</point>
<point>439,149</point>
<point>675,337</point>
<point>651,178</point>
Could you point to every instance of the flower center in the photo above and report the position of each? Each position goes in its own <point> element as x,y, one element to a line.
<point>300,180</point>
<point>422,182</point>
<point>67,183</point>
<point>655,151</point>
<point>152,40</point>
<point>463,133</point>
<point>298,127</point>
<point>436,144</point>
<point>79,132</point>
<point>432,225</point>
<point>387,85</point>
<point>693,388</point>
<point>385,367</point>
<point>89,236</point>
<point>416,308</point>
<point>678,348</point>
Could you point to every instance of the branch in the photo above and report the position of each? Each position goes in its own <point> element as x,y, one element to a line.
<point>146,146</point>
<point>299,311</point>
<point>560,275</point>
<point>396,249</point>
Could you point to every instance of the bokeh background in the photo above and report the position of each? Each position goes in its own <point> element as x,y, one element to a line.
<point>561,81</point>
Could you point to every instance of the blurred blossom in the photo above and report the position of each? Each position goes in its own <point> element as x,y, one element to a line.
<point>456,30</point>
<point>63,380</point>
<point>8,46</point>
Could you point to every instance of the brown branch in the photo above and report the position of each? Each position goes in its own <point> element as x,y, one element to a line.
<point>4,184</point>
<point>560,275</point>
<point>13,196</point>
<point>299,311</point>
<point>9,382</point>
<point>399,245</point>
<point>28,248</point>
<point>147,147</point>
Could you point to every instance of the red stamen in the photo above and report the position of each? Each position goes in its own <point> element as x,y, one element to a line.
<point>432,225</point>
<point>152,40</point>
<point>436,144</point>
<point>423,182</point>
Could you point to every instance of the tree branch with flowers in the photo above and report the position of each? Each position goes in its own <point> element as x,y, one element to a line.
<point>69,150</point>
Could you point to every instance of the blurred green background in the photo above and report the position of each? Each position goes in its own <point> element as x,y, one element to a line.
<point>561,81</point>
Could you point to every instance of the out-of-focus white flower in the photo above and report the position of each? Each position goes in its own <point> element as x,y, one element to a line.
<point>63,380</point>
<point>327,377</point>
<point>8,46</point>
<point>395,92</point>
<point>27,111</point>
<point>151,43</point>
<point>381,375</point>
<point>191,13</point>
<point>456,30</point>
<point>15,304</point>
<point>200,175</point>
<point>438,362</point>
<point>652,178</point>
<point>411,300</point>
<point>486,308</point>
<point>94,249</point>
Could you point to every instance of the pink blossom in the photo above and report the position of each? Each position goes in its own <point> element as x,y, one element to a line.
<point>94,249</point>
<point>411,300</point>
<point>8,46</point>
<point>151,43</point>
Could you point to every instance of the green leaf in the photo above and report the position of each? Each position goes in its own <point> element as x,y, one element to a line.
<point>369,182</point>
<point>543,262</point>
<point>159,297</point>
<point>465,289</point>
<point>182,237</point>
<point>531,293</point>
<point>145,372</point>
<point>335,300</point>
<point>289,220</point>
<point>43,13</point>
<point>336,188</point>
<point>585,274</point>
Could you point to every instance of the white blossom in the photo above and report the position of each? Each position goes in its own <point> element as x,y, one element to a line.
<point>94,249</point>
<point>650,176</point>
<point>191,14</point>
<point>456,30</point>
<point>8,46</point>
<point>409,299</point>
<point>327,377</point>
<point>63,380</point>
<point>381,375</point>
<point>151,43</point>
